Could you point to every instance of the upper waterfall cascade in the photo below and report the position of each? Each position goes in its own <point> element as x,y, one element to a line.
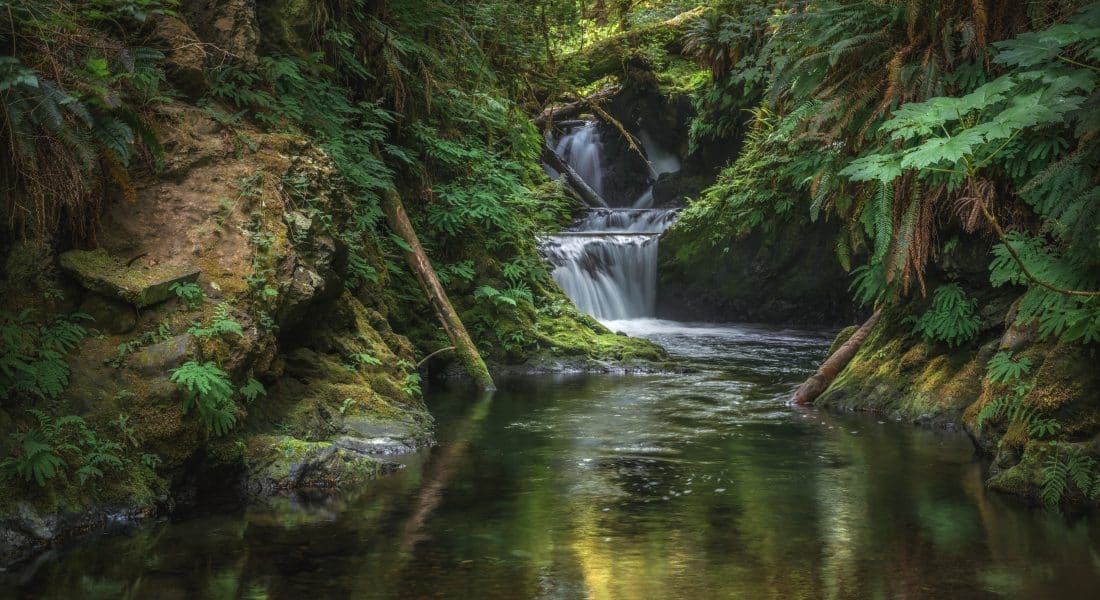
<point>607,262</point>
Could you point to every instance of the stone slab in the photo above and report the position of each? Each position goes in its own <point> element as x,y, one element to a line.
<point>139,284</point>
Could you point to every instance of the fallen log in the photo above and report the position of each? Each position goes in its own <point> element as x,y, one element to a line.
<point>418,261</point>
<point>834,364</point>
<point>575,182</point>
<point>575,108</point>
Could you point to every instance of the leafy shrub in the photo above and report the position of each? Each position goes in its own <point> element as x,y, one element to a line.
<point>950,319</point>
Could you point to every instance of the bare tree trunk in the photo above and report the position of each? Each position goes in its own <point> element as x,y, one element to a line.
<point>574,180</point>
<point>827,372</point>
<point>398,220</point>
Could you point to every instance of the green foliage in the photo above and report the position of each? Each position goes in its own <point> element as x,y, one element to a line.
<point>41,450</point>
<point>410,385</point>
<point>1065,468</point>
<point>221,323</point>
<point>1002,368</point>
<point>150,460</point>
<point>1012,410</point>
<point>746,197</point>
<point>950,318</point>
<point>36,457</point>
<point>366,359</point>
<point>897,122</point>
<point>188,293</point>
<point>1072,318</point>
<point>209,390</point>
<point>32,357</point>
<point>251,390</point>
<point>161,333</point>
<point>78,127</point>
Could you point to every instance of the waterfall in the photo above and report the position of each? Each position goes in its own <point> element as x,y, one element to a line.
<point>581,148</point>
<point>607,262</point>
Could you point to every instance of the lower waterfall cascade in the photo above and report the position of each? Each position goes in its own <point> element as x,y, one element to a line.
<point>607,262</point>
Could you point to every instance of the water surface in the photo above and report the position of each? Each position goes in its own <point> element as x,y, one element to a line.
<point>701,485</point>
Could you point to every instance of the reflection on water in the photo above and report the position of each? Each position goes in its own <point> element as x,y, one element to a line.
<point>674,486</point>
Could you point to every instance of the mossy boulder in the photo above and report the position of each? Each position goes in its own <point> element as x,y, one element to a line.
<point>900,376</point>
<point>140,284</point>
<point>283,463</point>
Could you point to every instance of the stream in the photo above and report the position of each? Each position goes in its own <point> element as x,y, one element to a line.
<point>698,485</point>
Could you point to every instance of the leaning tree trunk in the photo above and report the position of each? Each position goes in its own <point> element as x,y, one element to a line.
<point>827,372</point>
<point>398,220</point>
<point>578,184</point>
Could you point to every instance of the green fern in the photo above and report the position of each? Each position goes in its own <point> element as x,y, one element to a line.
<point>222,323</point>
<point>32,358</point>
<point>251,390</point>
<point>1064,468</point>
<point>1002,368</point>
<point>950,318</point>
<point>39,450</point>
<point>209,390</point>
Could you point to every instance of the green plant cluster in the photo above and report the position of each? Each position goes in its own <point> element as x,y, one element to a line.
<point>71,131</point>
<point>50,448</point>
<point>32,356</point>
<point>914,125</point>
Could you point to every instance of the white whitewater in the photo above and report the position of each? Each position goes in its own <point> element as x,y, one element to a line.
<point>581,148</point>
<point>607,263</point>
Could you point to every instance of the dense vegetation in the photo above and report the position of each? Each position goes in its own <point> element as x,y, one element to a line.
<point>925,130</point>
<point>950,146</point>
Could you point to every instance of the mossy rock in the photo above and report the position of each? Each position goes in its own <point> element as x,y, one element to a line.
<point>282,463</point>
<point>139,285</point>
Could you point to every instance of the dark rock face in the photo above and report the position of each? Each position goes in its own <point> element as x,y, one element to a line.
<point>789,277</point>
<point>230,26</point>
<point>185,62</point>
<point>109,315</point>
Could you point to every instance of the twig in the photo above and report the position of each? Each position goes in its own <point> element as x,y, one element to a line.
<point>440,351</point>
<point>131,261</point>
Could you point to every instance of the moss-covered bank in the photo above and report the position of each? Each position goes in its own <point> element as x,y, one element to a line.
<point>901,376</point>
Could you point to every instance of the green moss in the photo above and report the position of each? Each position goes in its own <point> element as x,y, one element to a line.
<point>843,336</point>
<point>138,284</point>
<point>682,77</point>
<point>901,377</point>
